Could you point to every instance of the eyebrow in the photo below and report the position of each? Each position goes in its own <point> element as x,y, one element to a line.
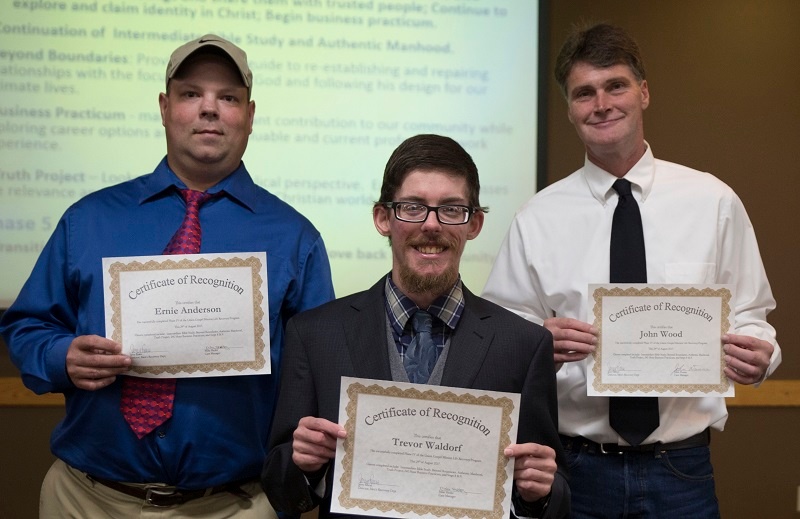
<point>452,200</point>
<point>609,81</point>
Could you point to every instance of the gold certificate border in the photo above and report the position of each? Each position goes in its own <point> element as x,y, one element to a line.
<point>723,293</point>
<point>255,265</point>
<point>356,389</point>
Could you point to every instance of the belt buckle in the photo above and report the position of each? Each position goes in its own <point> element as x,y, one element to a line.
<point>604,451</point>
<point>156,492</point>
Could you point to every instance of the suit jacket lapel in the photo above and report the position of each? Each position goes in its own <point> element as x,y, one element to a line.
<point>364,323</point>
<point>469,344</point>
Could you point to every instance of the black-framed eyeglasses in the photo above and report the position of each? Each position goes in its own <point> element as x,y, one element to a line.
<point>415,212</point>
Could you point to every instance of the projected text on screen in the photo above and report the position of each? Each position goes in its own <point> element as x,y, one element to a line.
<point>338,84</point>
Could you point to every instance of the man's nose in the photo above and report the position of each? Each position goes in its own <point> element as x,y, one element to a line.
<point>601,102</point>
<point>208,107</point>
<point>431,222</point>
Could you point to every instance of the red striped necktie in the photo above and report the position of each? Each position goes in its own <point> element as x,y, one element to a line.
<point>147,402</point>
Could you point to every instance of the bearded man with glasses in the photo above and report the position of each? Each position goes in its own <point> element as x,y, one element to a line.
<point>476,344</point>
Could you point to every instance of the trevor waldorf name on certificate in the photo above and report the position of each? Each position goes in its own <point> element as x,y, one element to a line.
<point>659,340</point>
<point>414,450</point>
<point>191,315</point>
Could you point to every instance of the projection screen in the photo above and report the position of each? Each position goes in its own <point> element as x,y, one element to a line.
<point>338,84</point>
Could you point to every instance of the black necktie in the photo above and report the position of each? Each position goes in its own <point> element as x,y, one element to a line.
<point>420,357</point>
<point>634,418</point>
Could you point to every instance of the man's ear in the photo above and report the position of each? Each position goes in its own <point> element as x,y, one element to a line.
<point>380,217</point>
<point>645,94</point>
<point>475,225</point>
<point>163,101</point>
<point>251,115</point>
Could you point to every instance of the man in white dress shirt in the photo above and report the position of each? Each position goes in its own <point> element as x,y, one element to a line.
<point>696,231</point>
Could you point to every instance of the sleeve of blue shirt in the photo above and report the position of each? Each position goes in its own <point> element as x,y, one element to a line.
<point>43,320</point>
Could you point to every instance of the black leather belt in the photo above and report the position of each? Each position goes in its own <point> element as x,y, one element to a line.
<point>170,496</point>
<point>700,439</point>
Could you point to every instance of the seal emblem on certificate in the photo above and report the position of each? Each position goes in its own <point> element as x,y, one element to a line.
<point>190,315</point>
<point>416,450</point>
<point>659,340</point>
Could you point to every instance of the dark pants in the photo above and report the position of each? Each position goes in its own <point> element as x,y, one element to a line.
<point>669,484</point>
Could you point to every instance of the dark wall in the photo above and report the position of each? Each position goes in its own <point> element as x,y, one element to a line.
<point>724,98</point>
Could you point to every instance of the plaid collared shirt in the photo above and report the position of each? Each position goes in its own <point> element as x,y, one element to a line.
<point>446,311</point>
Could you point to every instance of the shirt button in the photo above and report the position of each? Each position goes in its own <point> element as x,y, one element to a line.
<point>161,433</point>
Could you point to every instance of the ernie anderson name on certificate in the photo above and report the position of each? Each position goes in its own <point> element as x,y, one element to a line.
<point>190,315</point>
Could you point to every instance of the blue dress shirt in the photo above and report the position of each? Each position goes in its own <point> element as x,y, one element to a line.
<point>218,432</point>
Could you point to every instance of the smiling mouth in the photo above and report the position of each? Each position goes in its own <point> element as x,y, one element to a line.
<point>605,122</point>
<point>430,249</point>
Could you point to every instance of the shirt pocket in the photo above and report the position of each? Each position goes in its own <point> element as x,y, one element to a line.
<point>690,273</point>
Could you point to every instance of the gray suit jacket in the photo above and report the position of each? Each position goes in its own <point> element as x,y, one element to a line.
<point>491,349</point>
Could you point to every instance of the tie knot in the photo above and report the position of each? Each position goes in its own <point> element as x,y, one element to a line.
<point>622,187</point>
<point>422,321</point>
<point>195,198</point>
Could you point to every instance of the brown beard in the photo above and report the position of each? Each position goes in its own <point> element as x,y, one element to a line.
<point>438,284</point>
<point>429,284</point>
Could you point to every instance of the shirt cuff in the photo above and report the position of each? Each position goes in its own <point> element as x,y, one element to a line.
<point>316,481</point>
<point>57,365</point>
<point>522,509</point>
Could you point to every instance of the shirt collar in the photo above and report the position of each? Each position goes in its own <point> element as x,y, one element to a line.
<point>238,185</point>
<point>447,307</point>
<point>641,175</point>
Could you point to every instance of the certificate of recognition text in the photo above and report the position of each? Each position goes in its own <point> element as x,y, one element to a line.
<point>190,315</point>
<point>424,451</point>
<point>659,340</point>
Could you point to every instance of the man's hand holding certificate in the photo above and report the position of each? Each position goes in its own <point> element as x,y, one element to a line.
<point>193,315</point>
<point>417,450</point>
<point>659,340</point>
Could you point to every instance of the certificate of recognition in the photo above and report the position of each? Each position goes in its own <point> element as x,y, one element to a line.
<point>190,315</point>
<point>659,340</point>
<point>414,450</point>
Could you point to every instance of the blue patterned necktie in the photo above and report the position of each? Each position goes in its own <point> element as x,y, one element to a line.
<point>634,418</point>
<point>420,357</point>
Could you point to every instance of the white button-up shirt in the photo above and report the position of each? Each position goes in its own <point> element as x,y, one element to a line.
<point>696,230</point>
